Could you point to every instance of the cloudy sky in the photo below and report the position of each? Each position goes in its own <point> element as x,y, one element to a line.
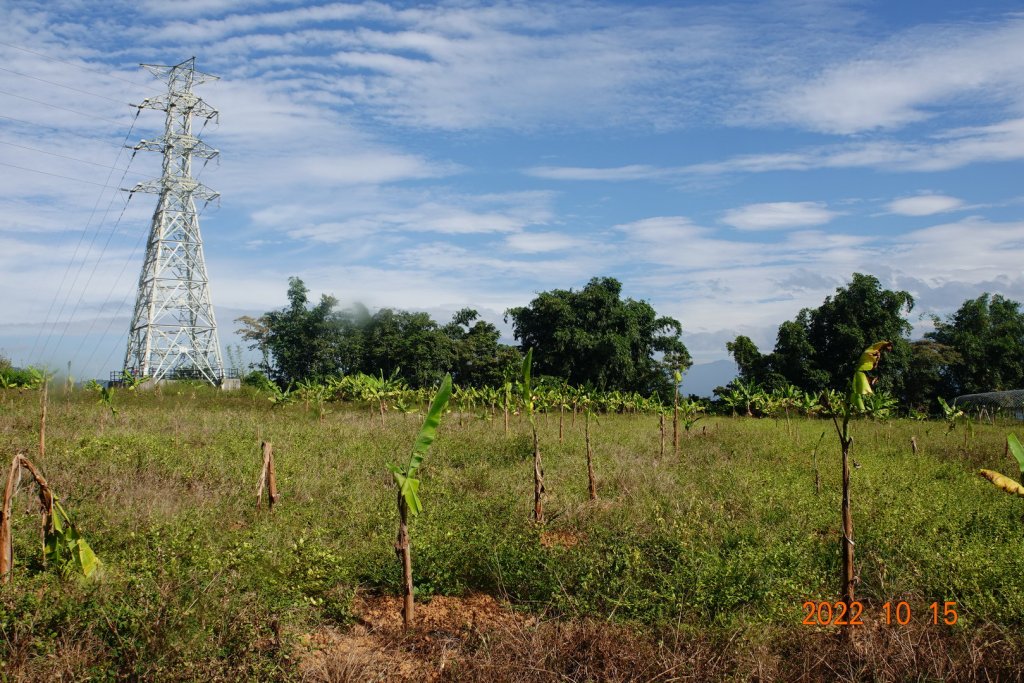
<point>731,163</point>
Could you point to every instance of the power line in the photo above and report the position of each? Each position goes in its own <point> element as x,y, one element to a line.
<point>57,107</point>
<point>120,307</point>
<point>88,280</point>
<point>63,177</point>
<point>63,156</point>
<point>78,66</point>
<point>61,85</point>
<point>81,237</point>
<point>63,131</point>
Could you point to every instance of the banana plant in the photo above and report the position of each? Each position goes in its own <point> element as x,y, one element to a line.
<point>538,468</point>
<point>691,413</point>
<point>317,393</point>
<point>65,548</point>
<point>585,402</point>
<point>408,490</point>
<point>131,382</point>
<point>1015,448</point>
<point>105,396</point>
<point>950,413</point>
<point>678,377</point>
<point>852,402</point>
<point>280,397</point>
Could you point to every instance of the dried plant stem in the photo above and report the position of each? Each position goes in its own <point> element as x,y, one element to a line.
<point>592,485</point>
<point>6,547</point>
<point>661,427</point>
<point>405,555</point>
<point>675,424</point>
<point>268,478</point>
<point>43,400</point>
<point>45,512</point>
<point>538,479</point>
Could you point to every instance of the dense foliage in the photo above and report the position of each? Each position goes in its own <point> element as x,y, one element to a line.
<point>300,342</point>
<point>594,337</point>
<point>986,338</point>
<point>979,348</point>
<point>591,337</point>
<point>817,350</point>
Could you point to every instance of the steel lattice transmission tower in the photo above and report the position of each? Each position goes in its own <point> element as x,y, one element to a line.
<point>173,331</point>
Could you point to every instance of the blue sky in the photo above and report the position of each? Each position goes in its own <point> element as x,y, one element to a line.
<point>731,163</point>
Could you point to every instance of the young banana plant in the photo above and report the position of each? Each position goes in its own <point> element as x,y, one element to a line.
<point>591,480</point>
<point>408,490</point>
<point>860,386</point>
<point>538,468</point>
<point>1014,446</point>
<point>678,377</point>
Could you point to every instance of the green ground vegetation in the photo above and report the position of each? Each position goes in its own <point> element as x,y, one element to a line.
<point>729,537</point>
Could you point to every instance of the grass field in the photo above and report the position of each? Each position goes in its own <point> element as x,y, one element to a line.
<point>688,568</point>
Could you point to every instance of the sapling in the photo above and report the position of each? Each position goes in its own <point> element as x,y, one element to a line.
<point>538,468</point>
<point>507,403</point>
<point>408,491</point>
<point>586,402</point>
<point>678,377</point>
<point>661,429</point>
<point>64,548</point>
<point>860,386</point>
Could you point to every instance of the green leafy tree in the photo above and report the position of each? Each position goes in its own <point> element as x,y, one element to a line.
<point>851,320</point>
<point>298,341</point>
<point>817,350</point>
<point>480,360</point>
<point>407,345</point>
<point>987,336</point>
<point>927,374</point>
<point>593,336</point>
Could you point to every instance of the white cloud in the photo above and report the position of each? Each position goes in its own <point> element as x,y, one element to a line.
<point>631,172</point>
<point>541,242</point>
<point>778,215</point>
<point>900,81</point>
<point>944,151</point>
<point>924,205</point>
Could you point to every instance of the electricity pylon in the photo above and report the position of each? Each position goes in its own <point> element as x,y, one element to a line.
<point>173,331</point>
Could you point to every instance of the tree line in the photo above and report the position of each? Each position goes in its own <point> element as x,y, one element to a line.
<point>978,348</point>
<point>589,337</point>
<point>593,337</point>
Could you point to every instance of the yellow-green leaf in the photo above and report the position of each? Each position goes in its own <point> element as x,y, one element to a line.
<point>872,355</point>
<point>1016,449</point>
<point>429,429</point>
<point>525,382</point>
<point>1004,483</point>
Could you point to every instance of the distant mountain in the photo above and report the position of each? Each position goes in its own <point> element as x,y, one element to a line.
<point>703,378</point>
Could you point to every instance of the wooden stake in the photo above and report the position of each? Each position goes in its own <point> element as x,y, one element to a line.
<point>6,547</point>
<point>268,478</point>
<point>661,427</point>
<point>44,399</point>
<point>913,444</point>
<point>561,417</point>
<point>45,513</point>
<point>590,462</point>
<point>675,425</point>
<point>538,481</point>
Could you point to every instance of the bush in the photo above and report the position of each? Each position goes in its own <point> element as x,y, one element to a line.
<point>257,380</point>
